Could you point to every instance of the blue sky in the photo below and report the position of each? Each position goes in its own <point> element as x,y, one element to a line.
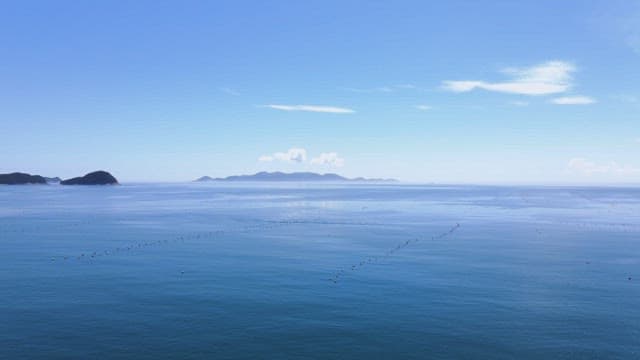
<point>455,91</point>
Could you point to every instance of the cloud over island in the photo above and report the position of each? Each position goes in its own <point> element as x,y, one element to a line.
<point>299,155</point>
<point>330,159</point>
<point>292,155</point>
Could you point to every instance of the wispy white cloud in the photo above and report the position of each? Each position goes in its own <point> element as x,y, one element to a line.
<point>405,86</point>
<point>621,19</point>
<point>330,159</point>
<point>424,107</point>
<point>551,77</point>
<point>230,91</point>
<point>519,103</point>
<point>382,89</point>
<point>631,28</point>
<point>586,167</point>
<point>633,40</point>
<point>297,155</point>
<point>632,99</point>
<point>573,100</point>
<point>312,108</point>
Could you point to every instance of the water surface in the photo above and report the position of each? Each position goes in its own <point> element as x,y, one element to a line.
<point>319,271</point>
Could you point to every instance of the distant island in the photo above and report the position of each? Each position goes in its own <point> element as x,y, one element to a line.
<point>18,178</point>
<point>52,179</point>
<point>93,178</point>
<point>296,176</point>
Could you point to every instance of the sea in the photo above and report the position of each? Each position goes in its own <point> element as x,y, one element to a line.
<point>319,271</point>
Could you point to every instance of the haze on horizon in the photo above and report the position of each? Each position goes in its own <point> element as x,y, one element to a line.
<point>455,92</point>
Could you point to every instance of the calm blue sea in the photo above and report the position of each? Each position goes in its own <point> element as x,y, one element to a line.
<point>319,271</point>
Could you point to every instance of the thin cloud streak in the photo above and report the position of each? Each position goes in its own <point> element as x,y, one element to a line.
<point>573,100</point>
<point>230,91</point>
<point>588,168</point>
<point>382,89</point>
<point>312,108</point>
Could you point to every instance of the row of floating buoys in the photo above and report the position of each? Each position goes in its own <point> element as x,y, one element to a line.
<point>374,259</point>
<point>177,239</point>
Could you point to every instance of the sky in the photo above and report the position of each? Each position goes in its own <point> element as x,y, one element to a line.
<point>526,92</point>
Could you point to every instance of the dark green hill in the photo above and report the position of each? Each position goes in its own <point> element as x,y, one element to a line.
<point>94,178</point>
<point>17,178</point>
